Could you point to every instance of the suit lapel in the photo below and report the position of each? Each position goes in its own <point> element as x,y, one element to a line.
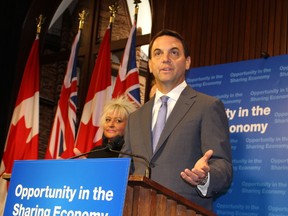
<point>146,122</point>
<point>184,103</point>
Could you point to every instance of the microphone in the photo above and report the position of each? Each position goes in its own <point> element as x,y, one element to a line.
<point>111,146</point>
<point>117,143</point>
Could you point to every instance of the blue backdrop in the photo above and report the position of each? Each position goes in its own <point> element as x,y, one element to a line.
<point>255,94</point>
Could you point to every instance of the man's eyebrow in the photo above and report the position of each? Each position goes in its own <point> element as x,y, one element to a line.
<point>175,48</point>
<point>156,49</point>
<point>172,48</point>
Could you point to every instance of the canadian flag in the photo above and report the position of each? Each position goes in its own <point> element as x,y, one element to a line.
<point>22,139</point>
<point>89,135</point>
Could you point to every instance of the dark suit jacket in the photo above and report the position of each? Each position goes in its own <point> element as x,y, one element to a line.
<point>197,123</point>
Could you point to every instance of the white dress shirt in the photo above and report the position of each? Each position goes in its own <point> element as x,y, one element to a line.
<point>173,95</point>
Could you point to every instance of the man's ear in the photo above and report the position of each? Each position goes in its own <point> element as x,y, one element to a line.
<point>188,62</point>
<point>149,65</point>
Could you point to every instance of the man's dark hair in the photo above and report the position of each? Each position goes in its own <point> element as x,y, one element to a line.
<point>168,32</point>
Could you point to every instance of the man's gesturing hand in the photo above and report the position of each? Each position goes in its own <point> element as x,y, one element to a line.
<point>199,173</point>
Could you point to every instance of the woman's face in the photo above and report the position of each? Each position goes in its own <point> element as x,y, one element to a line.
<point>114,125</point>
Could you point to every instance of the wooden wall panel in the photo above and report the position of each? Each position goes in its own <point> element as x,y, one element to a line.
<point>265,25</point>
<point>271,23</point>
<point>222,31</point>
<point>283,33</point>
<point>217,32</point>
<point>258,28</point>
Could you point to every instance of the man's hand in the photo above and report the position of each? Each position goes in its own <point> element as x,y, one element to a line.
<point>198,174</point>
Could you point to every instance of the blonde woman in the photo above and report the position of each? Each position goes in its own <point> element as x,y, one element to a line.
<point>113,122</point>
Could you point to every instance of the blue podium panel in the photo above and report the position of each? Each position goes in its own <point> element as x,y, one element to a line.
<point>68,187</point>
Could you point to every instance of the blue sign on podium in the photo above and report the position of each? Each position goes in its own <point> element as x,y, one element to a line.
<point>68,187</point>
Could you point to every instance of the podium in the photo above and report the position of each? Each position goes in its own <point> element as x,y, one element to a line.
<point>146,197</point>
<point>143,196</point>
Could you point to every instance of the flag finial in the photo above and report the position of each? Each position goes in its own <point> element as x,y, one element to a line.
<point>113,9</point>
<point>81,18</point>
<point>39,21</point>
<point>136,2</point>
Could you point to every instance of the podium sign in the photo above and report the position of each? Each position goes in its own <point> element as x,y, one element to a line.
<point>68,187</point>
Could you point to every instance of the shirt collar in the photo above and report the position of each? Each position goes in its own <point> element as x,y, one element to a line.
<point>174,94</point>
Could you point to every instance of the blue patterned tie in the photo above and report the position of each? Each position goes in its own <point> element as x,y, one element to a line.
<point>160,122</point>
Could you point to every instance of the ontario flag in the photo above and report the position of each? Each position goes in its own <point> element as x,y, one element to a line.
<point>22,139</point>
<point>127,81</point>
<point>63,133</point>
<point>89,135</point>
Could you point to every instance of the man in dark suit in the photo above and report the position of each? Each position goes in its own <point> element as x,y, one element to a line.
<point>193,154</point>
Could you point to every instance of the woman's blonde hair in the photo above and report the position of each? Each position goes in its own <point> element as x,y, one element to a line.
<point>120,105</point>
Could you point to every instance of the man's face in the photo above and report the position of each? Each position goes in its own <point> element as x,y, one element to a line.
<point>168,62</point>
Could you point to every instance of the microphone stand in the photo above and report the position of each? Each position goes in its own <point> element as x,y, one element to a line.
<point>86,153</point>
<point>110,148</point>
<point>148,168</point>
